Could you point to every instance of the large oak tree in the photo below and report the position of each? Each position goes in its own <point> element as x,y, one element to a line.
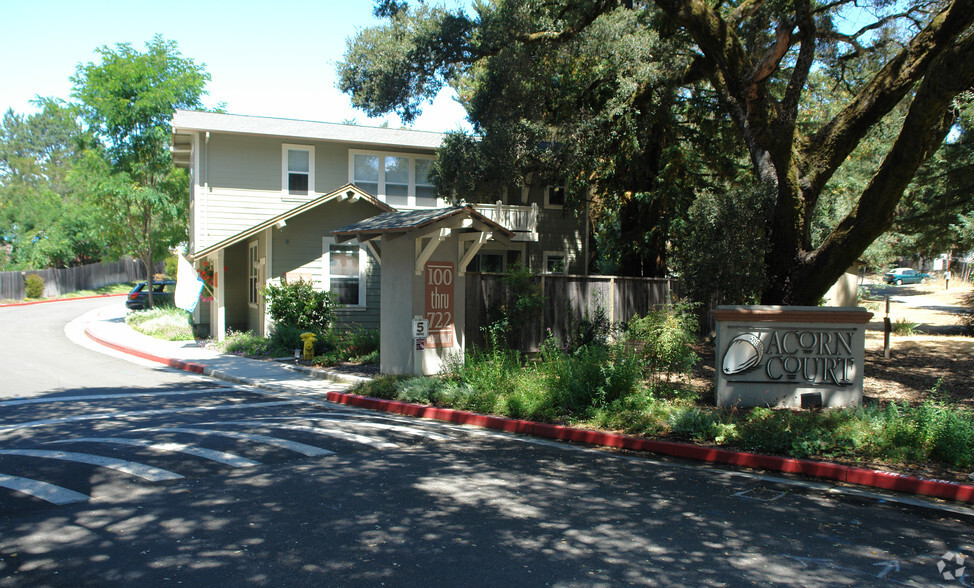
<point>756,57</point>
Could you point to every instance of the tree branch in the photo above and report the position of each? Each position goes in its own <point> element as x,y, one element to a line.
<point>924,129</point>
<point>828,148</point>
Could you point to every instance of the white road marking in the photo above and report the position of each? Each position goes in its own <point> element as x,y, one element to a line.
<point>128,467</point>
<point>345,436</point>
<point>309,450</point>
<point>397,428</point>
<point>47,399</point>
<point>43,490</point>
<point>218,456</point>
<point>365,421</point>
<point>138,413</point>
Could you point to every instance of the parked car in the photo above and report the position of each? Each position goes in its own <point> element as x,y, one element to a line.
<point>162,293</point>
<point>905,275</point>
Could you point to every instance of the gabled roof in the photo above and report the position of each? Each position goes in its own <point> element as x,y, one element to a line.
<point>190,120</point>
<point>347,191</point>
<point>415,220</point>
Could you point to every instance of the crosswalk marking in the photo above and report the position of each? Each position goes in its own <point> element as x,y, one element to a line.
<point>397,428</point>
<point>128,467</point>
<point>48,399</point>
<point>49,492</point>
<point>353,437</point>
<point>139,413</point>
<point>213,455</point>
<point>309,450</point>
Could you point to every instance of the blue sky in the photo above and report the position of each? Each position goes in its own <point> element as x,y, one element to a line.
<point>266,58</point>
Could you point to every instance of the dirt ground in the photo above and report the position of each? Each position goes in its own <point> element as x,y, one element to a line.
<point>939,355</point>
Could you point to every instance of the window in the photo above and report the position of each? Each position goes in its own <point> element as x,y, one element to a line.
<point>344,271</point>
<point>554,197</point>
<point>555,263</point>
<point>253,267</point>
<point>299,174</point>
<point>424,189</point>
<point>487,263</point>
<point>399,180</point>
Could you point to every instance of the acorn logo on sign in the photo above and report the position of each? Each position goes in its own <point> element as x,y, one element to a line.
<point>744,353</point>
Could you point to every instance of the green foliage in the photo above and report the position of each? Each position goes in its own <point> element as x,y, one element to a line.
<point>162,322</point>
<point>128,99</point>
<point>244,343</point>
<point>33,286</point>
<point>45,215</point>
<point>593,329</point>
<point>902,326</point>
<point>664,340</point>
<point>520,308</point>
<point>299,304</point>
<point>355,345</point>
<point>590,377</point>
<point>721,250</point>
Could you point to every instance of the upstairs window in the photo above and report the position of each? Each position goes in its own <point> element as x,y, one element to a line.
<point>298,165</point>
<point>554,197</point>
<point>399,180</point>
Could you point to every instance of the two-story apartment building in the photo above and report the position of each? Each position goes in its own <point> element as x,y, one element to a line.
<point>266,194</point>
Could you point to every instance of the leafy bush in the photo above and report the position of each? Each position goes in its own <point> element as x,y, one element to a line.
<point>720,249</point>
<point>244,343</point>
<point>590,377</point>
<point>33,286</point>
<point>594,329</point>
<point>521,305</point>
<point>350,344</point>
<point>300,305</point>
<point>664,339</point>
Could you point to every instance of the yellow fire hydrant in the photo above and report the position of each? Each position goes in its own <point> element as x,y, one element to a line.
<point>309,345</point>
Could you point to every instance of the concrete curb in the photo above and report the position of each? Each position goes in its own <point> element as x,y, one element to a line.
<point>32,302</point>
<point>815,469</point>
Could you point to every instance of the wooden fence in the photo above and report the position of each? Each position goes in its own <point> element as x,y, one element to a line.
<point>568,300</point>
<point>72,279</point>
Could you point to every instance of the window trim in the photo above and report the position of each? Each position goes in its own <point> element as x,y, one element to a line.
<point>411,188</point>
<point>363,257</point>
<point>285,172</point>
<point>547,197</point>
<point>253,274</point>
<point>554,254</point>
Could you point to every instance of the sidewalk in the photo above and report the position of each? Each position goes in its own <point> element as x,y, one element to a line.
<point>106,326</point>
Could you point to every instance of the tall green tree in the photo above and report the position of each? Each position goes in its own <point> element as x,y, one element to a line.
<point>44,217</point>
<point>127,99</point>
<point>757,60</point>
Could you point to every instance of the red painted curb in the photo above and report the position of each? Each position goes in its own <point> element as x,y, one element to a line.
<point>32,302</point>
<point>176,363</point>
<point>815,469</point>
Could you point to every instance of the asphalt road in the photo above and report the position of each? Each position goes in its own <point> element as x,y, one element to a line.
<point>389,500</point>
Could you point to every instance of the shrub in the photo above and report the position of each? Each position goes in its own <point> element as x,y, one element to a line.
<point>33,286</point>
<point>904,327</point>
<point>664,339</point>
<point>300,305</point>
<point>589,378</point>
<point>594,329</point>
<point>162,322</point>
<point>244,343</point>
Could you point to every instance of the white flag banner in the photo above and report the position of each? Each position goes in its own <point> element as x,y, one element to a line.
<point>189,285</point>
